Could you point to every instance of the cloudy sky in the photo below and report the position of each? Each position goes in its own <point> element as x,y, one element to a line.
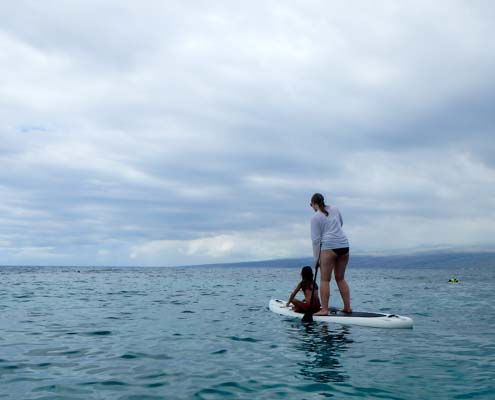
<point>186,132</point>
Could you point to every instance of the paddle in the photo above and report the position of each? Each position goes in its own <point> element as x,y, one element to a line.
<point>308,315</point>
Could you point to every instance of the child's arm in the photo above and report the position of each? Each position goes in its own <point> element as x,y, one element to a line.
<point>293,294</point>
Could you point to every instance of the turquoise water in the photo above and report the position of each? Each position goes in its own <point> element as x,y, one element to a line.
<point>207,333</point>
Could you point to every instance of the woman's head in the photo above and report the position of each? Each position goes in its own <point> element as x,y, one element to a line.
<point>307,274</point>
<point>318,203</point>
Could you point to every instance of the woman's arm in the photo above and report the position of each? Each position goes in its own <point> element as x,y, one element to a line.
<point>316,237</point>
<point>293,294</point>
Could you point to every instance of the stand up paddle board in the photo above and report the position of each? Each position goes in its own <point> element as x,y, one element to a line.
<point>375,320</point>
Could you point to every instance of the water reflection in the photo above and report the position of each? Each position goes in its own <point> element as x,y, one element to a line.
<point>322,347</point>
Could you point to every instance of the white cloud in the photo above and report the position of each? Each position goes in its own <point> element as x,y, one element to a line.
<point>237,246</point>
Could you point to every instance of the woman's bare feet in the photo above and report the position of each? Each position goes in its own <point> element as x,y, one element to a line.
<point>321,312</point>
<point>346,310</point>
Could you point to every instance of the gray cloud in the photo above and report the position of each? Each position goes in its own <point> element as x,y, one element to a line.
<point>172,134</point>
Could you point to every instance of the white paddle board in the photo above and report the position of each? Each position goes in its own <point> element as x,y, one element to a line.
<point>375,320</point>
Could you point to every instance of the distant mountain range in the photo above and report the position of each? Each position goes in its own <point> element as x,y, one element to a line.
<point>434,259</point>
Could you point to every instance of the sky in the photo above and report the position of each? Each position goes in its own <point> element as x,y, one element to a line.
<point>187,132</point>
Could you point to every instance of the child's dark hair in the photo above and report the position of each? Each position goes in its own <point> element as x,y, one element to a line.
<point>307,274</point>
<point>307,278</point>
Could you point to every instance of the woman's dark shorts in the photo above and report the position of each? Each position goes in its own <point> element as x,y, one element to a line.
<point>342,251</point>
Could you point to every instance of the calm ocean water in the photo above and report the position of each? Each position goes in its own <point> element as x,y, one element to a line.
<point>207,333</point>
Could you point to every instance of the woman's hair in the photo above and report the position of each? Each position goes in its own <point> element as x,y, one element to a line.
<point>319,201</point>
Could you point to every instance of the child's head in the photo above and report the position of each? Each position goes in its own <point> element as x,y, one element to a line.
<point>307,274</point>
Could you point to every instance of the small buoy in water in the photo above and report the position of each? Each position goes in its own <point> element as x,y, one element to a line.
<point>453,280</point>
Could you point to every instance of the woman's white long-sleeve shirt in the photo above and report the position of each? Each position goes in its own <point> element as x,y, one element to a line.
<point>327,230</point>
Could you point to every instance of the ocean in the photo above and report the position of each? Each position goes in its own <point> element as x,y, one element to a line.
<point>206,333</point>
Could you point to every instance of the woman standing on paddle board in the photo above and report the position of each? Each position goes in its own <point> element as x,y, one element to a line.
<point>331,245</point>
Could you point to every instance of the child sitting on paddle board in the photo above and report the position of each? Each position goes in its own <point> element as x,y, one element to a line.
<point>306,286</point>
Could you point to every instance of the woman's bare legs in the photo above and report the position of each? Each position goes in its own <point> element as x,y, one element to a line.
<point>327,263</point>
<point>339,273</point>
